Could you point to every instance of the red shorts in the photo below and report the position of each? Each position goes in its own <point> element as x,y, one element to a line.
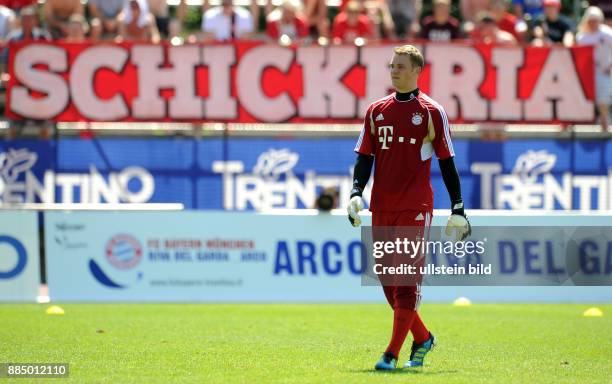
<point>403,296</point>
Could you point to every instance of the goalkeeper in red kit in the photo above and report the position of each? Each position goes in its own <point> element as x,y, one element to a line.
<point>401,133</point>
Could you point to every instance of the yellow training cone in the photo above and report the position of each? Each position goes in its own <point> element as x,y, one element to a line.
<point>55,310</point>
<point>462,302</point>
<point>593,312</point>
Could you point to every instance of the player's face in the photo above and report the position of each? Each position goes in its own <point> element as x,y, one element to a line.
<point>403,75</point>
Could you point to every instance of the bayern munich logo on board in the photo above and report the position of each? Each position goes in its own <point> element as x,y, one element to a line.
<point>123,251</point>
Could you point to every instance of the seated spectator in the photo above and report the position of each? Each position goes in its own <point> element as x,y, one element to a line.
<point>471,8</point>
<point>507,21</point>
<point>528,10</point>
<point>57,13</point>
<point>16,5</point>
<point>288,21</point>
<point>380,17</point>
<point>440,26</point>
<point>167,27</point>
<point>28,27</point>
<point>315,12</point>
<point>227,22</point>
<point>351,24</point>
<point>552,27</point>
<point>137,23</point>
<point>405,15</point>
<point>77,29</point>
<point>7,22</point>
<point>105,18</point>
<point>488,32</point>
<point>606,8</point>
<point>592,31</point>
<point>28,31</point>
<point>7,25</point>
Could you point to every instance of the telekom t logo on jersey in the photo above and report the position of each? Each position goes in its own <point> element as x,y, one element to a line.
<point>385,135</point>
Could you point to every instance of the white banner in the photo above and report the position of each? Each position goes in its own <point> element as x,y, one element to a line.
<point>19,256</point>
<point>244,257</point>
<point>203,256</point>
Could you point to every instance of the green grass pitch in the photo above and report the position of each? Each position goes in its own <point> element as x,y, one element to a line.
<point>193,343</point>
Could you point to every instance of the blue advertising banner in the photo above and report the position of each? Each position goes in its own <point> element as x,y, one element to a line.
<point>268,173</point>
<point>19,256</point>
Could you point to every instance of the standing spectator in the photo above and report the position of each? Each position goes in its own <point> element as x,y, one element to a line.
<point>287,20</point>
<point>316,15</point>
<point>592,31</point>
<point>488,32</point>
<point>405,14</point>
<point>351,24</point>
<point>77,29</point>
<point>528,10</point>
<point>507,21</point>
<point>440,26</point>
<point>16,5</point>
<point>227,22</point>
<point>105,17</point>
<point>7,22</point>
<point>167,27</point>
<point>137,23</point>
<point>58,12</point>
<point>552,27</point>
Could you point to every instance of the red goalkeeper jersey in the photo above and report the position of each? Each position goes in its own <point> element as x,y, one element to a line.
<point>402,136</point>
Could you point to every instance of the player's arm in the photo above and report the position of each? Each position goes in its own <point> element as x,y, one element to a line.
<point>458,221</point>
<point>362,169</point>
<point>361,175</point>
<point>443,146</point>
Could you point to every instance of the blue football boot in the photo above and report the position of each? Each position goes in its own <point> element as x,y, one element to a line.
<point>419,351</point>
<point>387,362</point>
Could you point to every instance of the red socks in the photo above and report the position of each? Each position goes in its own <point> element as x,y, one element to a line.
<point>419,330</point>
<point>405,320</point>
<point>402,322</point>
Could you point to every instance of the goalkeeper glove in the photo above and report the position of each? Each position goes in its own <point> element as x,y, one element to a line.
<point>355,205</point>
<point>458,223</point>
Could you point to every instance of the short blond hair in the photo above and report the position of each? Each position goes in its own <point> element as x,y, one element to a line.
<point>416,57</point>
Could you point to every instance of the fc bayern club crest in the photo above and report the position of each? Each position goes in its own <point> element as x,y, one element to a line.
<point>123,251</point>
<point>417,118</point>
